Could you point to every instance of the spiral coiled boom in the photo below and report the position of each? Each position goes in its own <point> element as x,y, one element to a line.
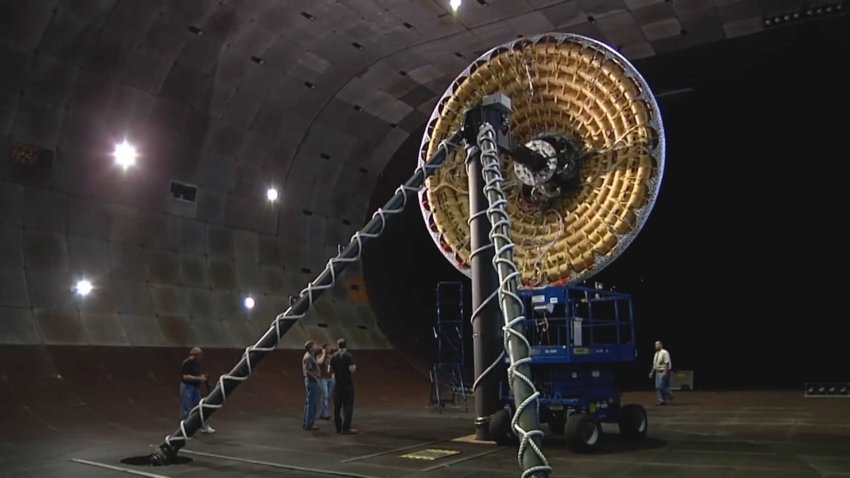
<point>525,423</point>
<point>167,451</point>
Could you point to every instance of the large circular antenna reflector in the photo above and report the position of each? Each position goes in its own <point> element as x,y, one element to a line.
<point>582,91</point>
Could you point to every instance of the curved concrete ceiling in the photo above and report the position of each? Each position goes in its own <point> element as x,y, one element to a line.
<point>233,96</point>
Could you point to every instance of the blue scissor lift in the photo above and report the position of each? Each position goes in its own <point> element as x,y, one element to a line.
<point>577,335</point>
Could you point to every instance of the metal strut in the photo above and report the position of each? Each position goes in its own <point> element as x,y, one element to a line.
<point>488,353</point>
<point>525,422</point>
<point>167,451</point>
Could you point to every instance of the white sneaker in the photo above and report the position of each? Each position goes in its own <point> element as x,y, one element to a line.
<point>208,429</point>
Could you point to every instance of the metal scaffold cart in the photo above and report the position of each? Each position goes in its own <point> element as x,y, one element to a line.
<point>447,383</point>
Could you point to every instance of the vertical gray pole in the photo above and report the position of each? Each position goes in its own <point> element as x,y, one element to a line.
<point>486,320</point>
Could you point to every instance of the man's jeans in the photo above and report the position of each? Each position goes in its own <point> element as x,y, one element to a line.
<point>327,385</point>
<point>311,403</point>
<point>190,395</point>
<point>662,386</point>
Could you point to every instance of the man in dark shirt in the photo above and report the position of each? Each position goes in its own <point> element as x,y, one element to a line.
<point>310,369</point>
<point>342,365</point>
<point>191,379</point>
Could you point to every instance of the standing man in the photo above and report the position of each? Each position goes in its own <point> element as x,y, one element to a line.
<point>310,368</point>
<point>326,380</point>
<point>661,368</point>
<point>191,379</point>
<point>342,365</point>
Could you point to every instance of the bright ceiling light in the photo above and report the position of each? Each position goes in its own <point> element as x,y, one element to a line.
<point>125,155</point>
<point>455,4</point>
<point>271,194</point>
<point>248,302</point>
<point>83,287</point>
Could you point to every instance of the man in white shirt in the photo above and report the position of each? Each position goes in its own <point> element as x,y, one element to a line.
<point>661,368</point>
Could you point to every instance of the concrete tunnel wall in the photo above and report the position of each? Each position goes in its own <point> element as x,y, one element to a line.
<point>160,280</point>
<point>80,77</point>
<point>313,96</point>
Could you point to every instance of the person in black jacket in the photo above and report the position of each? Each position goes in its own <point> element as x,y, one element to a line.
<point>342,365</point>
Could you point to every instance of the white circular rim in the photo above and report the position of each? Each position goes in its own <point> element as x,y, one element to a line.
<point>658,152</point>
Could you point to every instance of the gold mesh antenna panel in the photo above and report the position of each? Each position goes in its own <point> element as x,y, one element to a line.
<point>570,87</point>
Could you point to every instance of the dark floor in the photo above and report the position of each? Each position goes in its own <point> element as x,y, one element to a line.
<point>48,422</point>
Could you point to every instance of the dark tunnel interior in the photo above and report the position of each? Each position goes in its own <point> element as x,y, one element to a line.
<point>184,175</point>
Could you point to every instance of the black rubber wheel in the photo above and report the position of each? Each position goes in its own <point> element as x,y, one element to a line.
<point>583,432</point>
<point>557,424</point>
<point>633,422</point>
<point>500,427</point>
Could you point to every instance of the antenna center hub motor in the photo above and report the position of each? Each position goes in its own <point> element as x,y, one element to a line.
<point>554,177</point>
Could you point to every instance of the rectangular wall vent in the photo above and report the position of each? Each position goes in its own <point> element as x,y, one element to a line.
<point>184,192</point>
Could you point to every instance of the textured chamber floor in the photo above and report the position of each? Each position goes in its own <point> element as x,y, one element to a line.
<point>114,403</point>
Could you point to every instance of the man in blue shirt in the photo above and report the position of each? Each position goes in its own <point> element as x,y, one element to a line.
<point>191,379</point>
<point>310,369</point>
<point>326,380</point>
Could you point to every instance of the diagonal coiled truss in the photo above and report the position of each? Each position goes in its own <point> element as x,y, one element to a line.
<point>215,400</point>
<point>525,422</point>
